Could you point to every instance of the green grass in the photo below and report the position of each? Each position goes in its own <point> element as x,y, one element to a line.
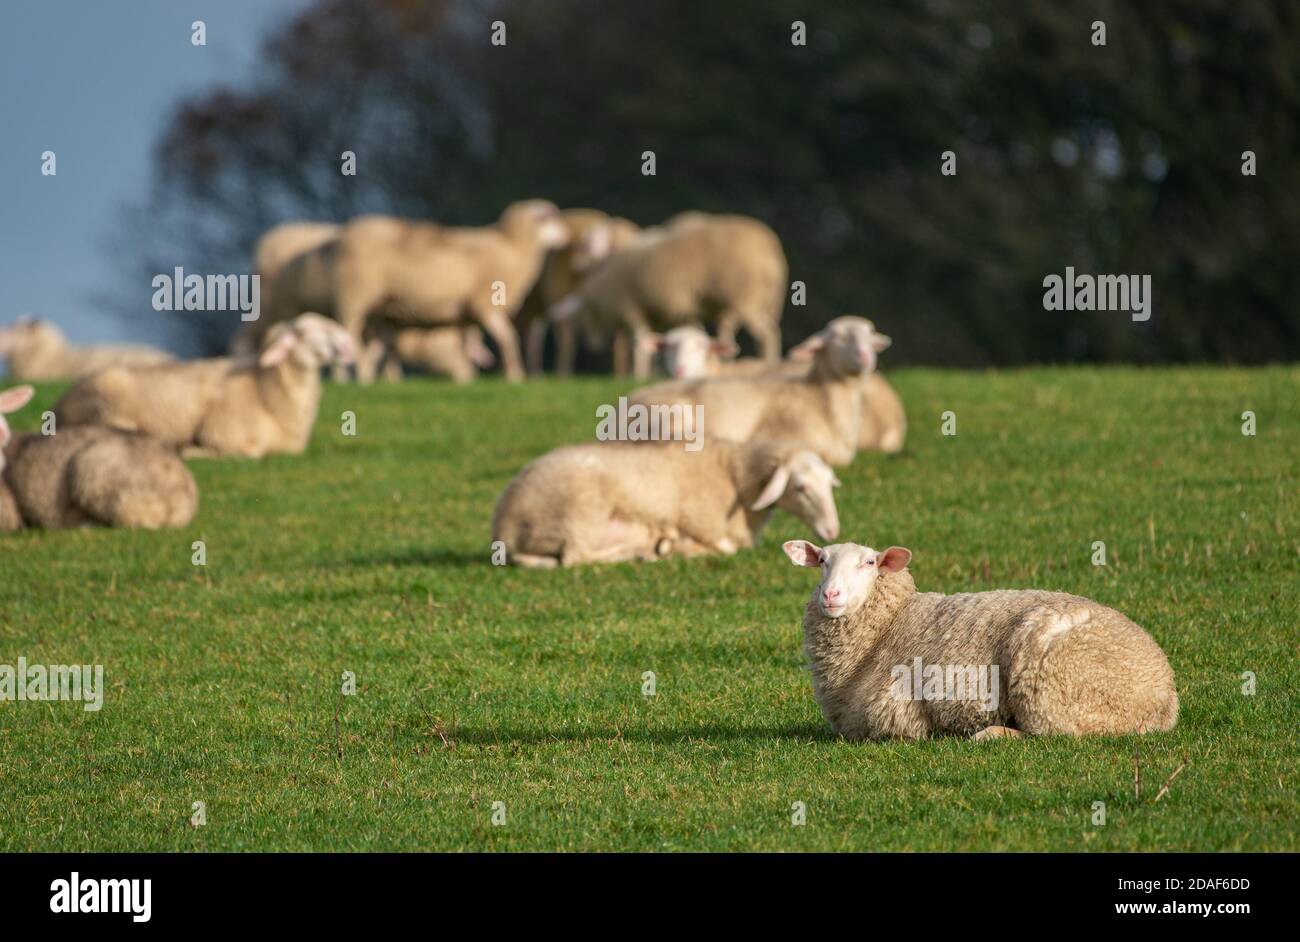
<point>479,684</point>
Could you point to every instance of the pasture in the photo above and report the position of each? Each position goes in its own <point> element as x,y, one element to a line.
<point>478,684</point>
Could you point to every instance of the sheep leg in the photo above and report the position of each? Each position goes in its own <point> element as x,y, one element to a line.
<point>566,348</point>
<point>500,328</point>
<point>529,561</point>
<point>535,346</point>
<point>621,354</point>
<point>642,353</point>
<point>997,732</point>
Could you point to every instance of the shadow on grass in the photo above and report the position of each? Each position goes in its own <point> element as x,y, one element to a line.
<point>711,732</point>
<point>421,557</point>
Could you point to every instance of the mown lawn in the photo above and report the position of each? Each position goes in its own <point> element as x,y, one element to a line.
<point>478,684</point>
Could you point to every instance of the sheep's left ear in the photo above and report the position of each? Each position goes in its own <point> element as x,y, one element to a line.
<point>894,559</point>
<point>775,488</point>
<point>727,349</point>
<point>651,343</point>
<point>278,349</point>
<point>806,349</point>
<point>11,400</point>
<point>880,342</point>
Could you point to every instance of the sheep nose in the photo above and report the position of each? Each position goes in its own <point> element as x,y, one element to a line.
<point>830,595</point>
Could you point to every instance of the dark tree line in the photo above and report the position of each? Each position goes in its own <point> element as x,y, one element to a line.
<point>1121,158</point>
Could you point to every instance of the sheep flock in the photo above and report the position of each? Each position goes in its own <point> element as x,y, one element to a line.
<point>714,447</point>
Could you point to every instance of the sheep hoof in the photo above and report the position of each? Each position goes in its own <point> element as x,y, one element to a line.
<point>664,547</point>
<point>996,732</point>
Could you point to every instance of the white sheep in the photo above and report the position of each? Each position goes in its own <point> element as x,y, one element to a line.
<point>725,269</point>
<point>614,501</point>
<point>37,350</point>
<point>89,475</point>
<point>821,411</point>
<point>690,353</point>
<point>888,661</point>
<point>220,406</point>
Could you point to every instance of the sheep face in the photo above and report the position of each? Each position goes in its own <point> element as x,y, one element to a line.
<point>311,341</point>
<point>803,487</point>
<point>541,216</point>
<point>11,400</point>
<point>848,344</point>
<point>849,572</point>
<point>27,333</point>
<point>686,351</point>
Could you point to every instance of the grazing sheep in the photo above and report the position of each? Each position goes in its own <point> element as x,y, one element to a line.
<point>615,501</point>
<point>36,349</point>
<point>821,411</point>
<point>727,269</point>
<point>89,475</point>
<point>421,274</point>
<point>690,353</point>
<point>888,661</point>
<point>220,406</point>
<point>593,237</point>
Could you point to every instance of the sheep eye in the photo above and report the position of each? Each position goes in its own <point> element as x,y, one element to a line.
<point>870,562</point>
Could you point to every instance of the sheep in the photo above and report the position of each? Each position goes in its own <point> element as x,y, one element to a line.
<point>821,411</point>
<point>613,501</point>
<point>888,661</point>
<point>276,248</point>
<point>89,475</point>
<point>423,274</point>
<point>220,406</point>
<point>690,353</point>
<point>38,350</point>
<point>730,269</point>
<point>456,352</point>
<point>593,237</point>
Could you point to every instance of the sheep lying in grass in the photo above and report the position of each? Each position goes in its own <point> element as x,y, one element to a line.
<point>617,501</point>
<point>690,353</point>
<point>455,352</point>
<point>728,269</point>
<point>424,275</point>
<point>220,406</point>
<point>36,349</point>
<point>888,661</point>
<point>88,475</point>
<point>821,411</point>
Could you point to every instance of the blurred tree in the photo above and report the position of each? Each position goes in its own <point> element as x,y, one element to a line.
<point>1122,158</point>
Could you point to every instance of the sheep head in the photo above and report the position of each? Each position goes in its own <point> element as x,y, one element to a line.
<point>849,571</point>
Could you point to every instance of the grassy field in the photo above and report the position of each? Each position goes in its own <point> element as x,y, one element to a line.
<point>478,684</point>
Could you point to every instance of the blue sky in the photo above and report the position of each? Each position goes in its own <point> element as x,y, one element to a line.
<point>93,81</point>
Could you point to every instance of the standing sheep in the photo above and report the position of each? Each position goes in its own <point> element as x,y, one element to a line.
<point>821,411</point>
<point>220,406</point>
<point>276,248</point>
<point>725,269</point>
<point>888,661</point>
<point>616,501</point>
<point>88,475</point>
<point>422,274</point>
<point>37,350</point>
<point>593,237</point>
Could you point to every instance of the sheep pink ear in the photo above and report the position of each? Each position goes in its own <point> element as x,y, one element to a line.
<point>598,241</point>
<point>727,349</point>
<point>880,342</point>
<point>774,489</point>
<point>278,349</point>
<point>803,553</point>
<point>651,343</point>
<point>894,559</point>
<point>11,400</point>
<point>805,350</point>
